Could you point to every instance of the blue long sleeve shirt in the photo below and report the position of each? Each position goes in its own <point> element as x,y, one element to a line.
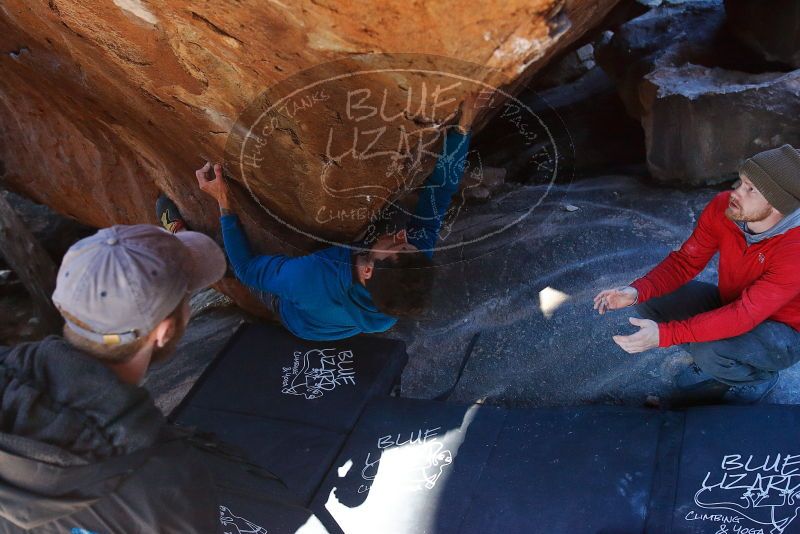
<point>319,297</point>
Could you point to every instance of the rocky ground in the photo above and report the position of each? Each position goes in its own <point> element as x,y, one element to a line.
<point>527,296</point>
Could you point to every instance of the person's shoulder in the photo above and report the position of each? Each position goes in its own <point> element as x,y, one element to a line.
<point>52,357</point>
<point>791,240</point>
<point>328,269</point>
<point>58,346</point>
<point>336,256</point>
<point>27,351</point>
<point>783,252</point>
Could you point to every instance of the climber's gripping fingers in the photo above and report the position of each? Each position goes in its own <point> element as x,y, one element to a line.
<point>215,187</point>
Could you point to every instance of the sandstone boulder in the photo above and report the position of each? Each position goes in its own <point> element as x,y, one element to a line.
<point>105,103</point>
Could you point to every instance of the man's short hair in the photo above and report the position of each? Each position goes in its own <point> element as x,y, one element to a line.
<point>401,285</point>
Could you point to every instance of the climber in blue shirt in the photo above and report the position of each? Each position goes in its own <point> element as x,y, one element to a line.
<point>335,293</point>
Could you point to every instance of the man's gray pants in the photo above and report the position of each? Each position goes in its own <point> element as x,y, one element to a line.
<point>749,359</point>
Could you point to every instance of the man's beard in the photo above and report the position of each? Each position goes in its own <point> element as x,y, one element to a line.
<point>737,215</point>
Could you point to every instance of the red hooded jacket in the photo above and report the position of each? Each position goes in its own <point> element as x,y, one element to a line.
<point>756,282</point>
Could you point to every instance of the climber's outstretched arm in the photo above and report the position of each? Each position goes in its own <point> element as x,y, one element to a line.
<point>274,273</point>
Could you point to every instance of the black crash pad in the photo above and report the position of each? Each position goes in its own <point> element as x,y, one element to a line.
<point>251,501</point>
<point>299,455</point>
<point>249,514</point>
<point>288,404</point>
<point>408,466</point>
<point>422,466</point>
<point>587,469</point>
<point>266,371</point>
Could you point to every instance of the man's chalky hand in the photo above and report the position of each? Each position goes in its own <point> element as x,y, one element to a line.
<point>614,299</point>
<point>645,339</point>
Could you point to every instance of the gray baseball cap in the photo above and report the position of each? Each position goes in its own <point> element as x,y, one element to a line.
<point>121,282</point>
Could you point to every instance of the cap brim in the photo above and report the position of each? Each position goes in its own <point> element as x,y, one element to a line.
<point>206,260</point>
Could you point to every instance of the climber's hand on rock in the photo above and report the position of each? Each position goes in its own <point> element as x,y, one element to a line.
<point>645,339</point>
<point>614,299</point>
<point>215,187</point>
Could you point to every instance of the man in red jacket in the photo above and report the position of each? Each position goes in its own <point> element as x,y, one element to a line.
<point>744,331</point>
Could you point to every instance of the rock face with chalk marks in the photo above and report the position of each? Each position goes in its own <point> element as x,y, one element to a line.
<point>105,103</point>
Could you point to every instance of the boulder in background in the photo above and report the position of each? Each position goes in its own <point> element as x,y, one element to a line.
<point>706,102</point>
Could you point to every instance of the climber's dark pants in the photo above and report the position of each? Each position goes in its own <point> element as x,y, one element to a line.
<point>748,359</point>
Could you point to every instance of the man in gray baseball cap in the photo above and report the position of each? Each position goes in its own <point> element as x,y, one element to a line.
<point>83,447</point>
<point>123,293</point>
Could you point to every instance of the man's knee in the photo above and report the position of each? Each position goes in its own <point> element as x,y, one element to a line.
<point>704,355</point>
<point>721,360</point>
